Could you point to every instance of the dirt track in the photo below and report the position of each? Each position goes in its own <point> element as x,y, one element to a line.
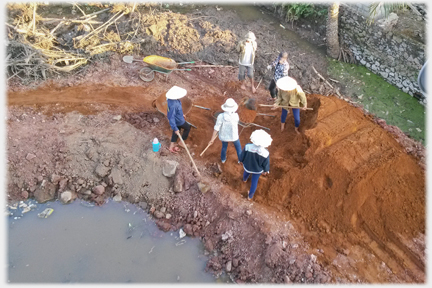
<point>344,190</point>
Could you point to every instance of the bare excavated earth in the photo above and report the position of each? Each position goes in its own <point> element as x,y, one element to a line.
<point>344,201</point>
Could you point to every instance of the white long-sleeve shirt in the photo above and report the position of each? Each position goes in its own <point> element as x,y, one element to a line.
<point>227,125</point>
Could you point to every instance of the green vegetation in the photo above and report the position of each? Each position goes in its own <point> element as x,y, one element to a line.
<point>380,98</point>
<point>295,11</point>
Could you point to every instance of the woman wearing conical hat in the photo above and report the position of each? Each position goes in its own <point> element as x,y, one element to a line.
<point>176,117</point>
<point>256,159</point>
<point>290,94</point>
<point>227,127</point>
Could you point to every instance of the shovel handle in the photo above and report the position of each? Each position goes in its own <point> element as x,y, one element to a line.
<point>289,107</point>
<point>192,62</point>
<point>259,126</point>
<point>262,114</point>
<point>201,107</point>
<point>207,147</point>
<point>183,69</point>
<point>187,150</point>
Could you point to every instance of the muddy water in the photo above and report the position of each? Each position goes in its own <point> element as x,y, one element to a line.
<point>113,243</point>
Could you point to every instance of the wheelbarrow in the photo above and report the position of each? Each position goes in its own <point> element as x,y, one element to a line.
<point>161,105</point>
<point>157,63</point>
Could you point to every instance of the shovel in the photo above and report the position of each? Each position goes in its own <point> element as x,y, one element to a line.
<point>129,59</point>
<point>203,187</point>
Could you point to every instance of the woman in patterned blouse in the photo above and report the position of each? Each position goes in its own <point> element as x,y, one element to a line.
<point>281,70</point>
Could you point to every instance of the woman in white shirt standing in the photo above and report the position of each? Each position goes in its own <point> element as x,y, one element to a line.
<point>227,126</point>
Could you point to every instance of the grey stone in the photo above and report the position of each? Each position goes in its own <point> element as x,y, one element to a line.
<point>55,179</point>
<point>143,205</point>
<point>86,192</point>
<point>228,266</point>
<point>101,170</point>
<point>30,156</point>
<point>45,192</point>
<point>178,183</point>
<point>66,197</point>
<point>99,190</point>
<point>117,198</point>
<point>158,214</point>
<point>116,176</point>
<point>169,168</point>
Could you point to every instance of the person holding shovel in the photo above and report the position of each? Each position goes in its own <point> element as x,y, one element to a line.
<point>256,159</point>
<point>281,70</point>
<point>176,117</point>
<point>227,127</point>
<point>247,48</point>
<point>290,94</point>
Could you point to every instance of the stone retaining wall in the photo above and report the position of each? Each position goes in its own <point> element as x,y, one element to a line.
<point>394,56</point>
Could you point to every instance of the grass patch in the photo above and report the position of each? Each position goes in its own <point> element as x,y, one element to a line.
<point>381,98</point>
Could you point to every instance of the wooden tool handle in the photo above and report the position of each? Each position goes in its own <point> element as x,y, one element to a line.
<point>208,145</point>
<point>289,107</point>
<point>190,156</point>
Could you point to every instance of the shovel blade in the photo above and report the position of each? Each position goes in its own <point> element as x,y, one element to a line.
<point>128,59</point>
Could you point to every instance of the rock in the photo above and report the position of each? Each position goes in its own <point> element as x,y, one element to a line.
<point>40,179</point>
<point>92,153</point>
<point>164,226</point>
<point>203,187</point>
<point>55,179</point>
<point>102,170</point>
<point>62,184</point>
<point>188,229</point>
<point>249,212</point>
<point>209,245</point>
<point>30,156</point>
<point>99,190</point>
<point>117,198</point>
<point>169,168</point>
<point>45,192</point>
<point>182,234</point>
<point>24,194</point>
<point>235,262</point>
<point>163,209</point>
<point>117,118</point>
<point>168,216</point>
<point>158,214</point>
<point>143,205</point>
<point>86,192</point>
<point>287,279</point>
<point>152,209</point>
<point>156,120</point>
<point>228,266</point>
<point>115,176</point>
<point>66,197</point>
<point>178,183</point>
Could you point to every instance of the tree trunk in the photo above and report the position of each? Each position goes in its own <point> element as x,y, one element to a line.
<point>332,31</point>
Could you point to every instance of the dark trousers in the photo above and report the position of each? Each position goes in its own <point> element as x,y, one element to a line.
<point>273,89</point>
<point>186,128</point>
